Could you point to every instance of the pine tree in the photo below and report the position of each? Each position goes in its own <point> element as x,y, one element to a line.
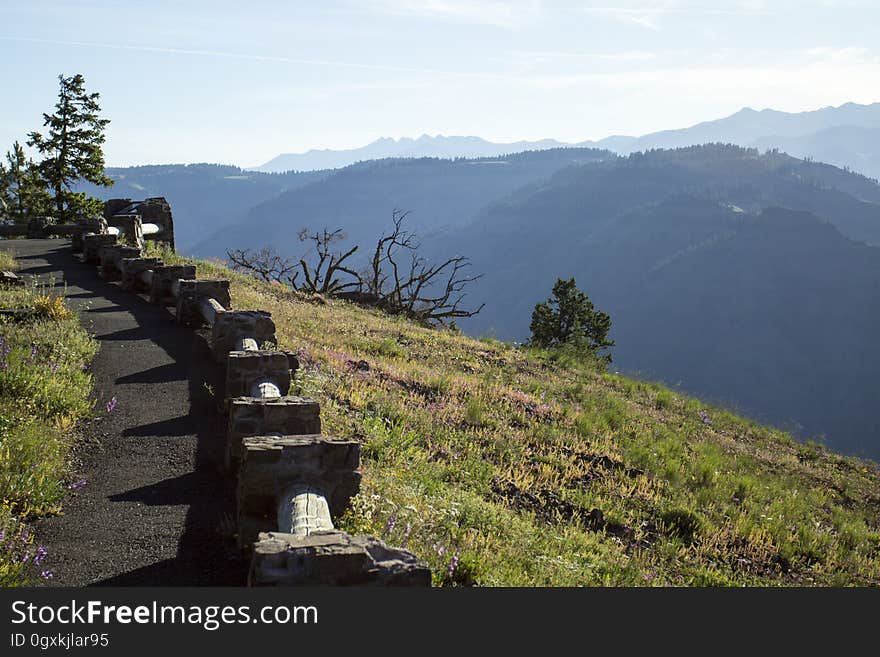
<point>23,189</point>
<point>4,192</point>
<point>569,317</point>
<point>72,149</point>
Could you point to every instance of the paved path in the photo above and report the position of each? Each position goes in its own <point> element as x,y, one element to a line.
<point>155,510</point>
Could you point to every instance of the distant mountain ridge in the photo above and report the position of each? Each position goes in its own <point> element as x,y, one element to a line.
<point>846,136</point>
<point>385,147</point>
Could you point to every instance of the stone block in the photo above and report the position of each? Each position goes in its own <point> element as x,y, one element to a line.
<point>271,465</point>
<point>96,226</point>
<point>231,326</point>
<point>165,277</point>
<point>37,227</point>
<point>189,291</point>
<point>156,210</point>
<point>130,228</point>
<point>333,558</point>
<point>114,205</point>
<point>285,416</point>
<point>112,255</point>
<point>131,268</point>
<point>92,245</point>
<point>246,368</point>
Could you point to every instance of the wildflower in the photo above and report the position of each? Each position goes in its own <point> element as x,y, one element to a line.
<point>705,417</point>
<point>33,354</point>
<point>453,564</point>
<point>111,404</point>
<point>40,555</point>
<point>47,574</point>
<point>54,368</point>
<point>406,533</point>
<point>391,524</point>
<point>77,485</point>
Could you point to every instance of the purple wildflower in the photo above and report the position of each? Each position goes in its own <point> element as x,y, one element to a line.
<point>453,564</point>
<point>705,417</point>
<point>391,524</point>
<point>40,555</point>
<point>47,574</point>
<point>33,354</point>
<point>54,368</point>
<point>111,404</point>
<point>406,532</point>
<point>77,485</point>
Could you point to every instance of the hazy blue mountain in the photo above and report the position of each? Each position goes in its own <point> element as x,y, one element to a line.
<point>203,197</point>
<point>854,147</point>
<point>439,193</point>
<point>386,147</point>
<point>747,126</point>
<point>848,135</point>
<point>845,136</point>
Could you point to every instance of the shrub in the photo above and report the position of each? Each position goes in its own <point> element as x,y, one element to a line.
<point>569,317</point>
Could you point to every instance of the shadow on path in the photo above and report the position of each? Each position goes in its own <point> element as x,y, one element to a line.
<point>156,510</point>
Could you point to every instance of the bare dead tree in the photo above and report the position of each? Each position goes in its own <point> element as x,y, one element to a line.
<point>266,264</point>
<point>397,279</point>
<point>323,277</point>
<point>419,290</point>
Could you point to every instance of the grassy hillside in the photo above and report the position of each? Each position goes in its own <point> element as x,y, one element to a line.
<point>713,285</point>
<point>506,466</point>
<point>44,391</point>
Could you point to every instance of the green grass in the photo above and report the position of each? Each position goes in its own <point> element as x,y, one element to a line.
<point>44,391</point>
<point>538,468</point>
<point>7,261</point>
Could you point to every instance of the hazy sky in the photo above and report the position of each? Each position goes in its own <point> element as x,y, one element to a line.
<point>240,82</point>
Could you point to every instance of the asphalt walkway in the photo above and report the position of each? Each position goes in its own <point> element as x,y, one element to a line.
<point>155,510</point>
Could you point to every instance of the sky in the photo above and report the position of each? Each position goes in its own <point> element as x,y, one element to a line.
<point>240,82</point>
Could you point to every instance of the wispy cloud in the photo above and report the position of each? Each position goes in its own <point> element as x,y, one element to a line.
<point>621,56</point>
<point>512,14</point>
<point>649,14</point>
<point>260,58</point>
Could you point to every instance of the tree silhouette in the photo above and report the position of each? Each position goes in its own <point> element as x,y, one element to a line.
<point>72,148</point>
<point>569,317</point>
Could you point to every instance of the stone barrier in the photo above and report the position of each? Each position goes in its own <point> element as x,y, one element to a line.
<point>273,466</point>
<point>229,328</point>
<point>257,417</point>
<point>332,558</point>
<point>292,482</point>
<point>189,294</point>
<point>246,369</point>
<point>111,256</point>
<point>92,245</point>
<point>131,269</point>
<point>164,277</point>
